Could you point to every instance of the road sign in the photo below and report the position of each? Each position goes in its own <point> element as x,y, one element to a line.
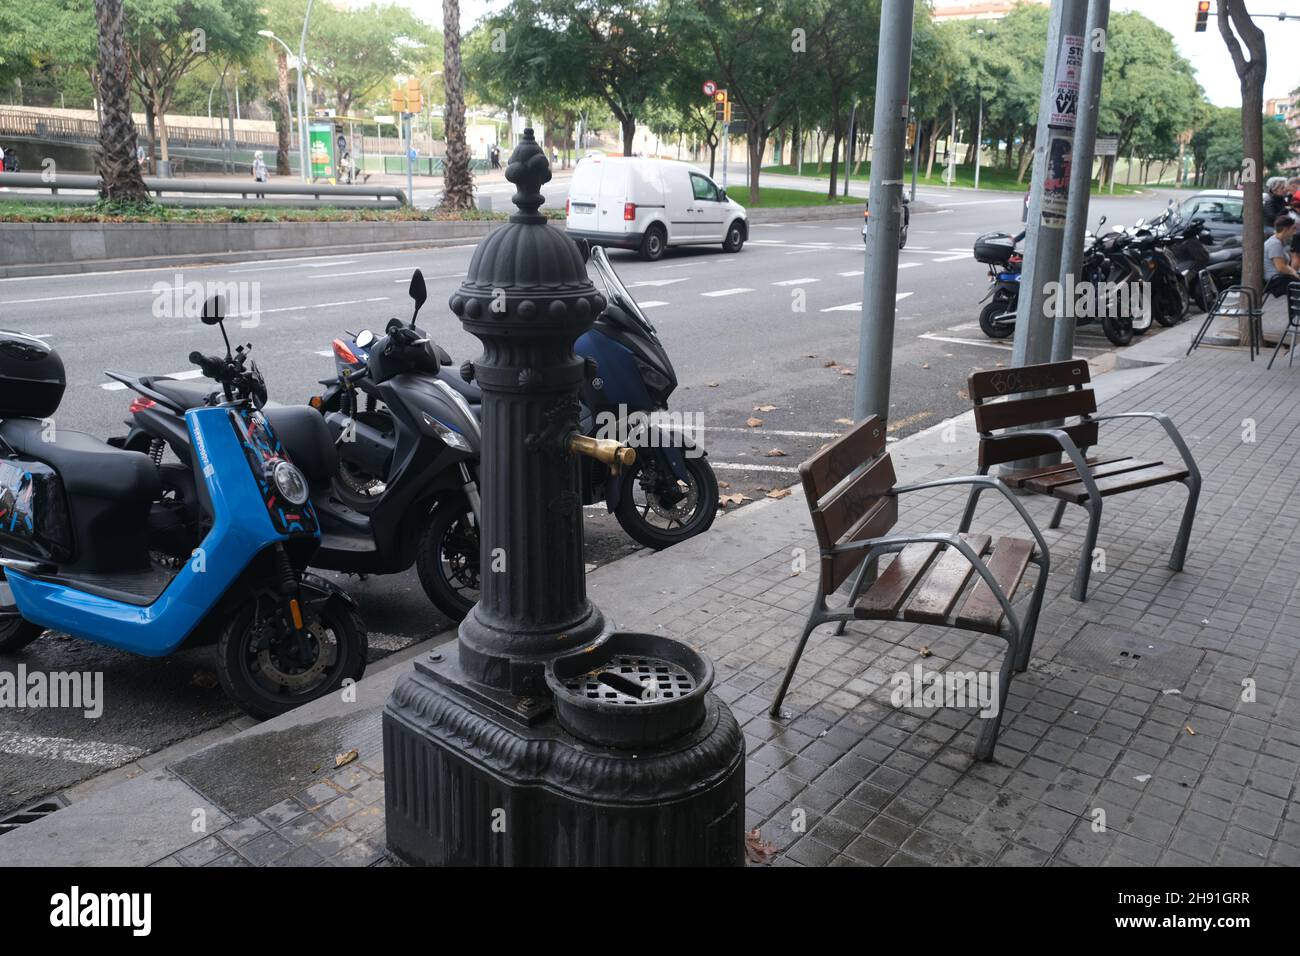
<point>1107,146</point>
<point>386,120</point>
<point>710,87</point>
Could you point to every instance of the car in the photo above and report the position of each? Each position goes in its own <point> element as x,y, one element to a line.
<point>1221,210</point>
<point>902,231</point>
<point>649,205</point>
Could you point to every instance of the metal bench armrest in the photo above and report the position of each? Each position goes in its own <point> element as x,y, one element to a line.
<point>989,481</point>
<point>1170,429</point>
<point>948,539</point>
<point>1071,450</point>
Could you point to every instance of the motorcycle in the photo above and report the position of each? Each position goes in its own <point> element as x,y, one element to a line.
<point>421,501</point>
<point>103,545</point>
<point>670,493</point>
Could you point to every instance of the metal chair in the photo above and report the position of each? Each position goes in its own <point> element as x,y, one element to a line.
<point>1292,324</point>
<point>1248,304</point>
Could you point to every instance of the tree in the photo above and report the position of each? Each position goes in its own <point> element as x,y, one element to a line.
<point>1233,16</point>
<point>282,116</point>
<point>844,51</point>
<point>458,185</point>
<point>119,170</point>
<point>168,38</point>
<point>54,39</point>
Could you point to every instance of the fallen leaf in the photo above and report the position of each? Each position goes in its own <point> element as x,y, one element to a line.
<point>724,484</point>
<point>757,850</point>
<point>925,650</point>
<point>711,384</point>
<point>774,453</point>
<point>764,408</point>
<point>925,365</point>
<point>846,371</point>
<point>341,760</point>
<point>843,421</point>
<point>810,355</point>
<point>724,500</point>
<point>1142,777</point>
<point>830,363</point>
<point>779,493</point>
<point>753,422</point>
<point>1171,690</point>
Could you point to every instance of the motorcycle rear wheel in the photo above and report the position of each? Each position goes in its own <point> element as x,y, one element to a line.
<point>1118,330</point>
<point>1174,303</point>
<point>988,326</point>
<point>447,561</point>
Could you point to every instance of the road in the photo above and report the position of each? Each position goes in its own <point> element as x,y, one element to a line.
<point>775,325</point>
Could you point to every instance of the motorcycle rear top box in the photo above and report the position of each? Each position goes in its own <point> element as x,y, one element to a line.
<point>994,248</point>
<point>31,377</point>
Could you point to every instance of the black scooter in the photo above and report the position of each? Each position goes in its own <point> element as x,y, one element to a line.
<point>427,513</point>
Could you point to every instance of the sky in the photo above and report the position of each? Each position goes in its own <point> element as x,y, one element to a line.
<point>1206,51</point>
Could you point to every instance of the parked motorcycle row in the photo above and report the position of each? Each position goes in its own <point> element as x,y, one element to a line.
<point>1166,258</point>
<point>116,543</point>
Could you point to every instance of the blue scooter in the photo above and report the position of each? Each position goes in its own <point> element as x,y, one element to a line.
<point>90,544</point>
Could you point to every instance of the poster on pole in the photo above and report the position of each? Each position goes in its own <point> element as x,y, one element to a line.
<point>1056,181</point>
<point>320,146</point>
<point>1065,96</point>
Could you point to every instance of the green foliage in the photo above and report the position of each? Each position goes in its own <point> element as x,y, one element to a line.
<point>1217,146</point>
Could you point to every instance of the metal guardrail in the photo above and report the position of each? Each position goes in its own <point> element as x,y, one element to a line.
<point>379,197</point>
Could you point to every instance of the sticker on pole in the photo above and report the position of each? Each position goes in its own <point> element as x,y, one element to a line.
<point>710,87</point>
<point>1065,96</point>
<point>1056,183</point>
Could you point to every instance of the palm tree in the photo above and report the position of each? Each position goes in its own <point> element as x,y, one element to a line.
<point>119,169</point>
<point>458,186</point>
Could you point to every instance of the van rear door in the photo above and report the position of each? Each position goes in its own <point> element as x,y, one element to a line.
<point>584,193</point>
<point>613,196</point>
<point>680,204</point>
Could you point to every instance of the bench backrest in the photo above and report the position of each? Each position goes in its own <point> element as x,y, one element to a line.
<point>1002,405</point>
<point>846,483</point>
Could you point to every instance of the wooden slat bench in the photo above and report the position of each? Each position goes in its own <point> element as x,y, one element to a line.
<point>961,581</point>
<point>1014,425</point>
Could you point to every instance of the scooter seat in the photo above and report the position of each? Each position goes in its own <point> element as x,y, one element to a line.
<point>1225,255</point>
<point>86,465</point>
<point>185,394</point>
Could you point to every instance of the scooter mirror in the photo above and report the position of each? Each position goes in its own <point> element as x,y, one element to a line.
<point>418,292</point>
<point>365,338</point>
<point>1101,222</point>
<point>214,309</point>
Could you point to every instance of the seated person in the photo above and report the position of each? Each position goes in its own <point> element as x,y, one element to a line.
<point>1278,271</point>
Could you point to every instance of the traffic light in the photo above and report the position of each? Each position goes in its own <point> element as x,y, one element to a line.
<point>721,108</point>
<point>1202,15</point>
<point>414,98</point>
<point>397,100</point>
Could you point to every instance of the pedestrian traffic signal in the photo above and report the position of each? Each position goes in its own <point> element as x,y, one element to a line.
<point>721,108</point>
<point>1202,15</point>
<point>397,101</point>
<point>414,96</point>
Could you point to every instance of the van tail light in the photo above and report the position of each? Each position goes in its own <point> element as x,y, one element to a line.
<point>629,212</point>
<point>343,352</point>
<point>140,403</point>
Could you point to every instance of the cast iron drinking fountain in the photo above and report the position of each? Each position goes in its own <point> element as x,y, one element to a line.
<point>549,737</point>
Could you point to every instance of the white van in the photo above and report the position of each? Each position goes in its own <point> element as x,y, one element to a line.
<point>650,204</point>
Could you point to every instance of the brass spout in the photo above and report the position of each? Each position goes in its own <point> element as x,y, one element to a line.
<point>613,453</point>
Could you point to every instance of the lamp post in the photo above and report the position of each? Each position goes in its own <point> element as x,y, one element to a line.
<point>297,63</point>
<point>549,737</point>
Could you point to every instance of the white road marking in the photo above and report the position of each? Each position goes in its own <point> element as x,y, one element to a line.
<point>450,275</point>
<point>720,292</point>
<point>651,304</point>
<point>93,752</point>
<point>737,466</point>
<point>856,306</point>
<point>656,282</point>
<point>83,295</point>
<point>762,431</point>
<point>985,202</point>
<point>964,255</point>
<point>796,281</point>
<point>909,265</point>
<point>933,337</point>
<point>854,272</point>
<point>120,386</point>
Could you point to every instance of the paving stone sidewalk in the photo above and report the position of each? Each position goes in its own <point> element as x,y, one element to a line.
<point>1158,724</point>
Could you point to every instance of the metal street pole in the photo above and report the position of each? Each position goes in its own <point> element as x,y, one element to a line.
<point>1045,227</point>
<point>1085,142</point>
<point>409,119</point>
<point>304,151</point>
<point>979,139</point>
<point>880,277</point>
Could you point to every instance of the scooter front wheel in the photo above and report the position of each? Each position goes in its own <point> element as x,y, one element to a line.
<point>447,561</point>
<point>266,672</point>
<point>655,523</point>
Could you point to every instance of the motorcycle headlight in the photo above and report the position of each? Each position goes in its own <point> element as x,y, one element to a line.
<point>449,436</point>
<point>290,483</point>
